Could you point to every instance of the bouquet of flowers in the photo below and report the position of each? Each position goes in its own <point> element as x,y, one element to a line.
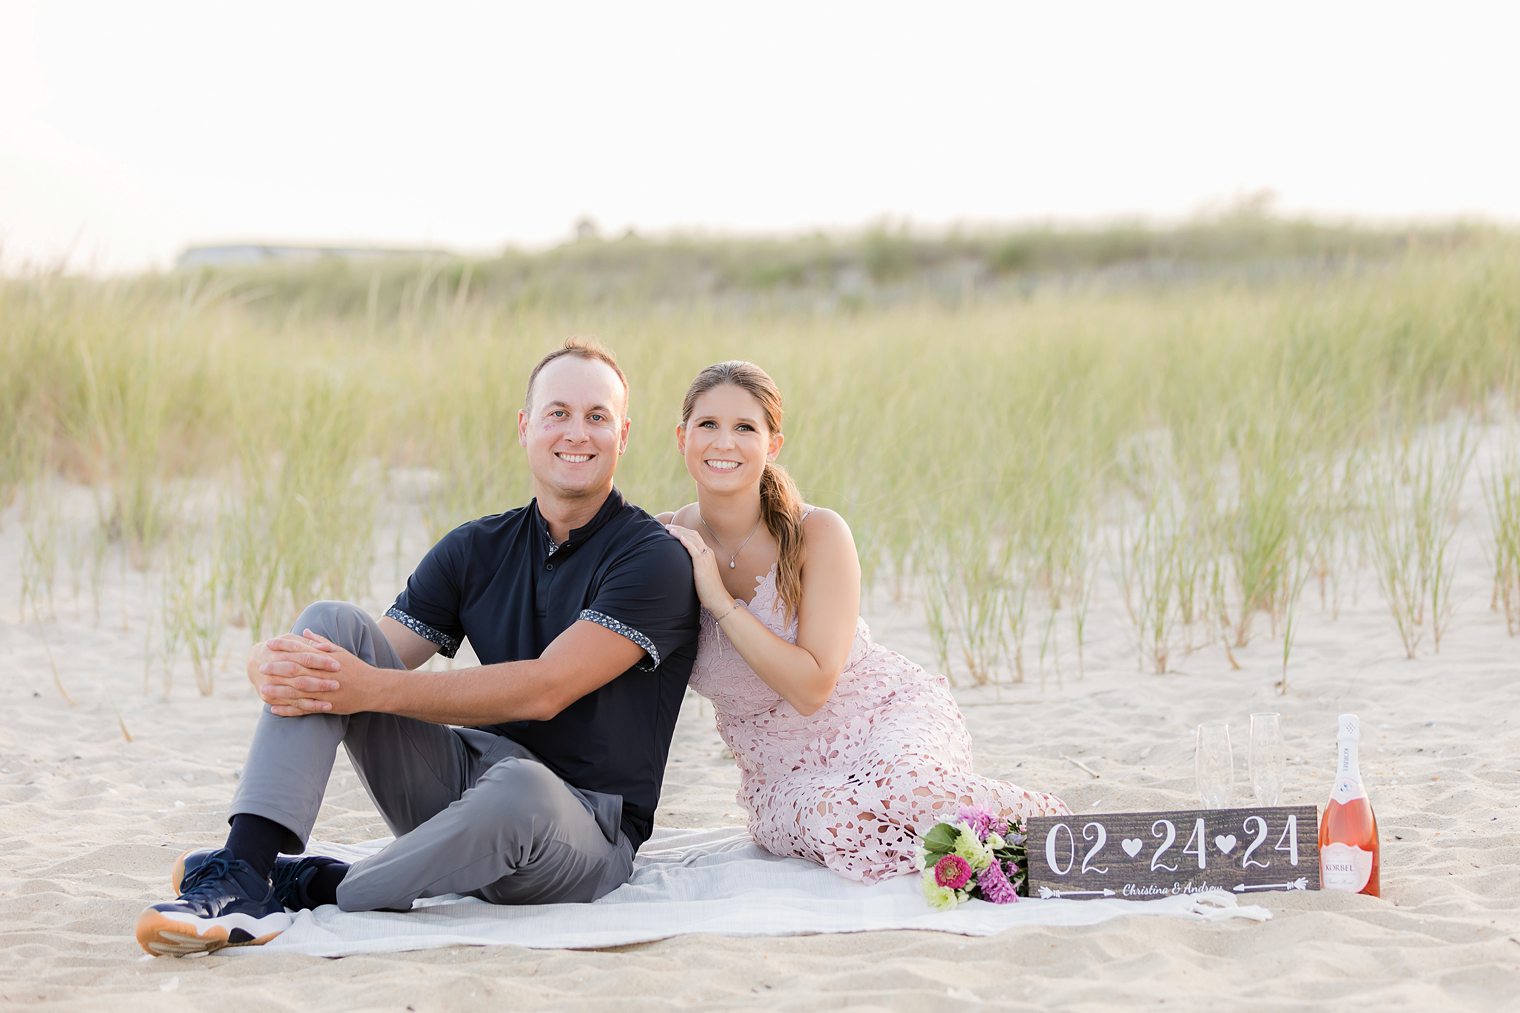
<point>978,855</point>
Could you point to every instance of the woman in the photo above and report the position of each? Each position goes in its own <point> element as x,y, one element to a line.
<point>847,751</point>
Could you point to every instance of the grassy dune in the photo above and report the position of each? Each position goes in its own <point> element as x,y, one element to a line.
<point>1220,416</point>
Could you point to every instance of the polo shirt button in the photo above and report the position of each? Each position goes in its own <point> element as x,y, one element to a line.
<point>548,566</point>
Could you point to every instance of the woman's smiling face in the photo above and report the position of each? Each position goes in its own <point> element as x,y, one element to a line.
<point>725,442</point>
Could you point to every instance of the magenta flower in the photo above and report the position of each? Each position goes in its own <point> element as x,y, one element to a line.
<point>994,885</point>
<point>977,818</point>
<point>952,872</point>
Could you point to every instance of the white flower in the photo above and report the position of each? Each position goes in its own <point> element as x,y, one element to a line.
<point>971,849</point>
<point>940,898</point>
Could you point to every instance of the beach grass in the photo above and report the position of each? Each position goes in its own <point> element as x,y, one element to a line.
<point>1214,425</point>
<point>1501,493</point>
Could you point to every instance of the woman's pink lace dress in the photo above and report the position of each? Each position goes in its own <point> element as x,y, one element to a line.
<point>854,784</point>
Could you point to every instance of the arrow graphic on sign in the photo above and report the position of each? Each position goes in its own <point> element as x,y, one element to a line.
<point>1295,884</point>
<point>1046,893</point>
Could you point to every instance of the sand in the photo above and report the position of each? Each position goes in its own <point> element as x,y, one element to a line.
<point>92,822</point>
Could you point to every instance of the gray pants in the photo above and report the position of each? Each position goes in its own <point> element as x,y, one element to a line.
<point>473,812</point>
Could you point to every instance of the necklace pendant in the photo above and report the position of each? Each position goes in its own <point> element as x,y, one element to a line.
<point>733,565</point>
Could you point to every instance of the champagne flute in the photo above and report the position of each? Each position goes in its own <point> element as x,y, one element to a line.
<point>1214,763</point>
<point>1266,758</point>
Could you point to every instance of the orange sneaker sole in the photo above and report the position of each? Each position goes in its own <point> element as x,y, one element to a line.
<point>164,936</point>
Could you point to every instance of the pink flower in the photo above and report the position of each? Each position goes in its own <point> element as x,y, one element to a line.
<point>977,818</point>
<point>993,882</point>
<point>952,872</point>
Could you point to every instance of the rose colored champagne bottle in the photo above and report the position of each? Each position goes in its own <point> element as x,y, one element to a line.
<point>1348,836</point>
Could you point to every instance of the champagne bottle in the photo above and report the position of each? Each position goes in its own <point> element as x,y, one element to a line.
<point>1348,837</point>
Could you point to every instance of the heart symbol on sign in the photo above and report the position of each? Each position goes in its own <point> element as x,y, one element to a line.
<point>1131,846</point>
<point>1226,844</point>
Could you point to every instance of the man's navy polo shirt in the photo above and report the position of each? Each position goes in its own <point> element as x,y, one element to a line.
<point>503,584</point>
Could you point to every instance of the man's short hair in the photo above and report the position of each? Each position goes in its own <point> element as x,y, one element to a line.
<point>585,348</point>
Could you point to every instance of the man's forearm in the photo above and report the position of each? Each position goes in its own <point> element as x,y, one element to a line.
<point>579,661</point>
<point>484,695</point>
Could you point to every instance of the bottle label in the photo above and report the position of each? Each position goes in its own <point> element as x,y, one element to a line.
<point>1347,789</point>
<point>1343,867</point>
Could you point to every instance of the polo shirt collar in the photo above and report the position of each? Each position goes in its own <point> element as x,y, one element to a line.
<point>610,507</point>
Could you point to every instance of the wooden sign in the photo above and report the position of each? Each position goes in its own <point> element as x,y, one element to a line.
<point>1147,856</point>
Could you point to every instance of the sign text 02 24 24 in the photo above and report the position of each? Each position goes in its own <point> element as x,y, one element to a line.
<point>1150,855</point>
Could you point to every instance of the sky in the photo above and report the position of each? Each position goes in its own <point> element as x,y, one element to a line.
<point>130,130</point>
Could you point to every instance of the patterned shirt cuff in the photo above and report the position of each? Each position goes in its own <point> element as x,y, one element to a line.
<point>447,645</point>
<point>623,629</point>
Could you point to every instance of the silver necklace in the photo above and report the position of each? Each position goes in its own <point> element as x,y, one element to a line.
<point>732,560</point>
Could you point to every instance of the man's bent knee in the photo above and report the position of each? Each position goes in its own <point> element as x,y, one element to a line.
<point>521,788</point>
<point>331,619</point>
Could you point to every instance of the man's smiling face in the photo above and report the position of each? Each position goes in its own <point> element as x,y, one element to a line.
<point>575,428</point>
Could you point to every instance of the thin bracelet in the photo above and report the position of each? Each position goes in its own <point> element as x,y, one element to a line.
<point>731,611</point>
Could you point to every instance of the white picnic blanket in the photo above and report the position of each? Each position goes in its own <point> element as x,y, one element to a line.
<point>716,881</point>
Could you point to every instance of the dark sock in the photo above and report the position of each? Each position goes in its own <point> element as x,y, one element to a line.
<point>256,841</point>
<point>323,888</point>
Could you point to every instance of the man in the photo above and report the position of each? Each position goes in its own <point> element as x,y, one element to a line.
<point>582,612</point>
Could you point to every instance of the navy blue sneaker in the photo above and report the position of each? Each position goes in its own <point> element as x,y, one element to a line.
<point>222,902</point>
<point>290,878</point>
